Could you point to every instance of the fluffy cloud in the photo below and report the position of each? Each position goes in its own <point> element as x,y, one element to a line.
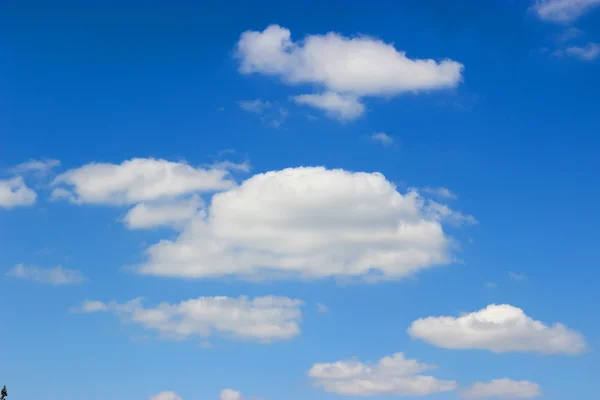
<point>589,52</point>
<point>563,11</point>
<point>165,396</point>
<point>392,375</point>
<point>137,180</point>
<point>174,213</point>
<point>498,328</point>
<point>383,138</point>
<point>263,318</point>
<point>342,107</point>
<point>14,192</point>
<point>308,222</point>
<point>502,389</point>
<point>52,276</point>
<point>351,67</point>
<point>229,394</point>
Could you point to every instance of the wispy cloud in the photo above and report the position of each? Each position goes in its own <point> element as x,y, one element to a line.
<point>517,276</point>
<point>589,52</point>
<point>440,191</point>
<point>52,276</point>
<point>263,319</point>
<point>254,106</point>
<point>39,167</point>
<point>562,11</point>
<point>383,138</point>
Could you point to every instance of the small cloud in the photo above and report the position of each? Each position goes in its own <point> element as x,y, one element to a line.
<point>62,194</point>
<point>52,276</point>
<point>442,192</point>
<point>562,11</point>
<point>206,345</point>
<point>15,193</point>
<point>264,319</point>
<point>337,106</point>
<point>38,167</point>
<point>232,166</point>
<point>516,276</point>
<point>322,308</point>
<point>229,394</point>
<point>226,151</point>
<point>383,138</point>
<point>502,389</point>
<point>499,328</point>
<point>165,396</point>
<point>490,285</point>
<point>589,52</point>
<point>254,106</point>
<point>89,306</point>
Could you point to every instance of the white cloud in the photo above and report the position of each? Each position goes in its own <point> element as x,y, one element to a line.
<point>589,52</point>
<point>255,106</point>
<point>383,138</point>
<point>441,192</point>
<point>352,67</point>
<point>392,375</point>
<point>360,65</point>
<point>174,213</point>
<point>342,107</point>
<point>498,328</point>
<point>137,180</point>
<point>502,389</point>
<point>563,11</point>
<point>14,192</point>
<point>38,167</point>
<point>89,306</point>
<point>517,276</point>
<point>263,319</point>
<point>229,394</point>
<point>243,166</point>
<point>53,276</point>
<point>165,396</point>
<point>226,394</point>
<point>307,222</point>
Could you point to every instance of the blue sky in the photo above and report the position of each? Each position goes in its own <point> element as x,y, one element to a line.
<point>249,200</point>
